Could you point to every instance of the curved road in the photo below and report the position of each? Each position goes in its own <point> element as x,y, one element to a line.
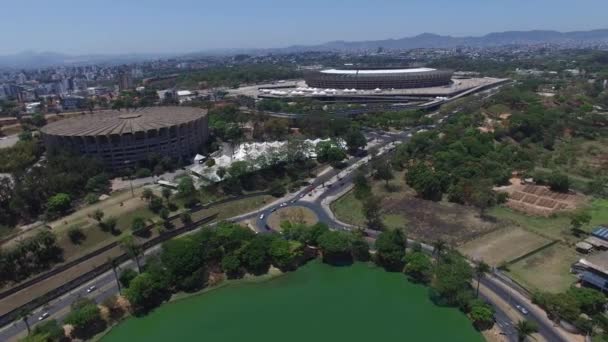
<point>106,285</point>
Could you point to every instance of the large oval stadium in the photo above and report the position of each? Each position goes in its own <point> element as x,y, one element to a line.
<point>123,138</point>
<point>378,78</point>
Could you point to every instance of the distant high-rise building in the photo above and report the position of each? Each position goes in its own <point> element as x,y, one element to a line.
<point>125,81</point>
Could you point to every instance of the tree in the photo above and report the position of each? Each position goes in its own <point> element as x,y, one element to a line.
<point>384,172</point>
<point>355,140</point>
<point>525,328</point>
<point>132,248</point>
<point>50,330</point>
<point>559,182</point>
<point>98,215</point>
<point>452,280</point>
<point>231,265</point>
<point>578,220</point>
<point>181,258</point>
<point>126,276</point>
<point>185,187</point>
<point>186,218</point>
<point>480,271</point>
<point>114,263</point>
<point>418,267</point>
<point>390,249</point>
<point>371,207</point>
<point>86,319</point>
<point>24,315</point>
<point>285,254</point>
<point>482,315</point>
<point>76,235</point>
<point>166,192</point>
<point>590,301</point>
<point>425,181</point>
<point>255,254</point>
<point>439,246</point>
<point>147,194</point>
<point>59,203</point>
<point>156,204</point>
<point>360,249</point>
<point>336,247</point>
<point>329,152</point>
<point>109,224</point>
<point>138,225</point>
<point>362,187</point>
<point>164,213</point>
<point>146,291</point>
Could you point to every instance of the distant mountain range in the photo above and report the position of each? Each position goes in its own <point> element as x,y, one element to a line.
<point>30,59</point>
<point>430,40</point>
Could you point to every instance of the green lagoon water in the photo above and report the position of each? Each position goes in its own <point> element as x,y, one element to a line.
<point>316,303</point>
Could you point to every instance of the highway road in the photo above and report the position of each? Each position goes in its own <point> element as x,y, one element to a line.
<point>106,285</point>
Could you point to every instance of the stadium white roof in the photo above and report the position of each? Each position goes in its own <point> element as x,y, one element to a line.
<point>376,71</point>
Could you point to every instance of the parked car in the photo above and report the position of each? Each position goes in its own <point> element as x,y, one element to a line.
<point>43,316</point>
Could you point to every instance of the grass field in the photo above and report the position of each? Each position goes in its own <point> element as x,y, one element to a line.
<point>547,270</point>
<point>503,245</point>
<point>556,227</point>
<point>293,214</point>
<point>234,208</point>
<point>349,209</point>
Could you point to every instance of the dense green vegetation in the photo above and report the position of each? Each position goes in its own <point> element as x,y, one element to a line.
<point>584,307</point>
<point>233,76</point>
<point>49,187</point>
<point>28,257</point>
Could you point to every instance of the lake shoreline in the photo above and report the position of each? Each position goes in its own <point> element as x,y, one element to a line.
<point>301,287</point>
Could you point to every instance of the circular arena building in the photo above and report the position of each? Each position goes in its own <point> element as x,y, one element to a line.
<point>378,78</point>
<point>123,138</point>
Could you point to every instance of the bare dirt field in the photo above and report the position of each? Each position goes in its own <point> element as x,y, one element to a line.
<point>429,221</point>
<point>502,245</point>
<point>539,200</point>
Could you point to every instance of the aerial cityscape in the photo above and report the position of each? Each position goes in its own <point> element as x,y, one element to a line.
<point>237,171</point>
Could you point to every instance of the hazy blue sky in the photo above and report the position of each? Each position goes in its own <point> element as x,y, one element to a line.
<point>122,26</point>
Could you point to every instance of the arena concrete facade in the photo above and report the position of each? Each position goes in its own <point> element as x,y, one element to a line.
<point>123,138</point>
<point>378,78</point>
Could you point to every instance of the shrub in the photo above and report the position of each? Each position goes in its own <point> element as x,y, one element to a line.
<point>76,235</point>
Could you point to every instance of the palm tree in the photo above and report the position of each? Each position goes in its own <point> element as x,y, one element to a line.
<point>439,246</point>
<point>25,315</point>
<point>133,250</point>
<point>525,328</point>
<point>114,263</point>
<point>480,271</point>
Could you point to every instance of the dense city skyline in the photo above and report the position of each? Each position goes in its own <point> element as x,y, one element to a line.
<point>113,27</point>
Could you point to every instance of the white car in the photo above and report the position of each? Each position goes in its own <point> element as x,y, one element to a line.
<point>284,204</point>
<point>91,288</point>
<point>262,217</point>
<point>43,316</point>
<point>522,309</point>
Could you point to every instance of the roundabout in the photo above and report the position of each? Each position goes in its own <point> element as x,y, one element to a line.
<point>293,214</point>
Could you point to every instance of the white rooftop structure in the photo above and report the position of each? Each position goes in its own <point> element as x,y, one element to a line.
<point>375,71</point>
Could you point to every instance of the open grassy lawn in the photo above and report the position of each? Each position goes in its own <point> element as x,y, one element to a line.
<point>547,270</point>
<point>234,208</point>
<point>556,227</point>
<point>292,214</point>
<point>503,245</point>
<point>349,209</point>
